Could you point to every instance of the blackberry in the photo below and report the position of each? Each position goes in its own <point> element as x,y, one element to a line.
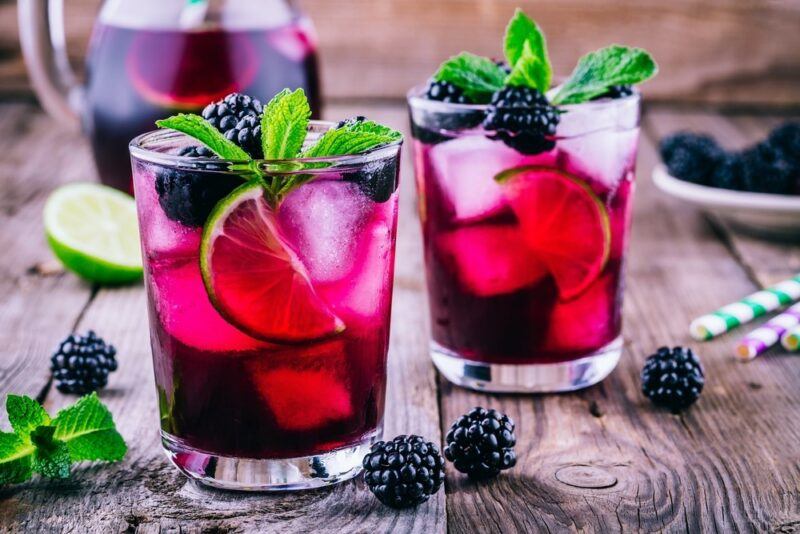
<point>673,378</point>
<point>504,66</point>
<point>786,140</point>
<point>81,364</point>
<point>351,121</point>
<point>446,92</point>
<point>728,173</point>
<point>377,180</point>
<point>238,117</point>
<point>523,119</point>
<point>691,157</point>
<point>766,170</point>
<point>196,152</point>
<point>616,91</point>
<point>404,472</point>
<point>188,197</point>
<point>481,443</point>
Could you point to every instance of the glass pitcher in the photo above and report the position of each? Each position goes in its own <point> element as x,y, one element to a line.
<point>149,59</point>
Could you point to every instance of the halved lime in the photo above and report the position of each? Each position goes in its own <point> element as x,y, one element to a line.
<point>254,278</point>
<point>93,230</point>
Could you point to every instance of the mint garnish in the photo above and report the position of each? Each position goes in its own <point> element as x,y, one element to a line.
<point>479,77</point>
<point>530,71</point>
<point>597,71</point>
<point>83,431</point>
<point>197,127</point>
<point>284,124</point>
<point>353,138</point>
<point>524,39</point>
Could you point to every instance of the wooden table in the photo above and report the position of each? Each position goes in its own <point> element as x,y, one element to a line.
<point>729,464</point>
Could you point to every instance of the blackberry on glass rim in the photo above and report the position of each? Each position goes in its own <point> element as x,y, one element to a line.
<point>525,211</point>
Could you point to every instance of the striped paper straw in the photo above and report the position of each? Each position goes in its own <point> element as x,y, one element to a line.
<point>791,339</point>
<point>768,334</point>
<point>736,314</point>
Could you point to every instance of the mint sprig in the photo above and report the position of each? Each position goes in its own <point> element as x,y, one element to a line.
<point>597,71</point>
<point>83,431</point>
<point>479,77</point>
<point>525,49</point>
<point>197,127</point>
<point>353,138</point>
<point>284,124</point>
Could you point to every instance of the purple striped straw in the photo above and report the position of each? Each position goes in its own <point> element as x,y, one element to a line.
<point>769,334</point>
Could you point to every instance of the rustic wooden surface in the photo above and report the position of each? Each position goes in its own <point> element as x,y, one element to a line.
<point>600,460</point>
<point>725,51</point>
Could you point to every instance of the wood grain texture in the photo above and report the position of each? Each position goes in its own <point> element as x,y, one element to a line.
<point>605,460</point>
<point>144,493</point>
<point>724,51</point>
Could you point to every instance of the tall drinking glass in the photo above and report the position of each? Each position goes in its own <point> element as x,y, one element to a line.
<point>524,253</point>
<point>269,323</point>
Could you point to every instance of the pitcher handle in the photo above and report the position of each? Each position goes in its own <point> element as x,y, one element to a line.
<point>41,34</point>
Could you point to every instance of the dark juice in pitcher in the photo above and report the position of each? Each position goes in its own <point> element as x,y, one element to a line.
<point>136,76</point>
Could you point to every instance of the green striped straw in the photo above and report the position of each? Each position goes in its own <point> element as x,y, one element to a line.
<point>752,306</point>
<point>791,339</point>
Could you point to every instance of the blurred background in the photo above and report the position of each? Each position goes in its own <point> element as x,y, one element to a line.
<point>741,53</point>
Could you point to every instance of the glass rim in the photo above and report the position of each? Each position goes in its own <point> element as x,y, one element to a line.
<point>139,149</point>
<point>414,98</point>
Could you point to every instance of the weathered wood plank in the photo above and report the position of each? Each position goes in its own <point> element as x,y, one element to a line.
<point>146,494</point>
<point>35,310</point>
<point>769,262</point>
<point>728,464</point>
<point>733,51</point>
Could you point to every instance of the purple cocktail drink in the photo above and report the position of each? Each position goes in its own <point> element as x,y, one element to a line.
<point>269,312</point>
<point>525,209</point>
<point>136,75</point>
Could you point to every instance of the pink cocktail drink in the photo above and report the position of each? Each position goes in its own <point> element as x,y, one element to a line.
<point>287,380</point>
<point>524,252</point>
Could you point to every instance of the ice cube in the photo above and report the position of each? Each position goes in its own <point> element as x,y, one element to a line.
<point>186,313</point>
<point>465,169</point>
<point>366,293</point>
<point>322,220</point>
<point>588,321</point>
<point>605,156</point>
<point>490,260</point>
<point>305,388</point>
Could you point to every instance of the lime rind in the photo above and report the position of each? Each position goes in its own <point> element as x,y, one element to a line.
<point>92,229</point>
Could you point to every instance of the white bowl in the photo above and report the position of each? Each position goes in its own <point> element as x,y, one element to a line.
<point>774,216</point>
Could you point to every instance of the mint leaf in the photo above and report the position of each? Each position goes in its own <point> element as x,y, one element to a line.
<point>16,459</point>
<point>477,76</point>
<point>354,138</point>
<point>89,431</point>
<point>530,71</point>
<point>25,414</point>
<point>522,30</point>
<point>51,458</point>
<point>284,124</point>
<point>197,127</point>
<point>599,70</point>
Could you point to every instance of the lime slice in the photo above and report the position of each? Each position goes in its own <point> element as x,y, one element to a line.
<point>92,229</point>
<point>563,222</point>
<point>254,278</point>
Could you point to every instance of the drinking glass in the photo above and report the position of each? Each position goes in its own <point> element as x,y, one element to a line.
<point>269,357</point>
<point>524,253</point>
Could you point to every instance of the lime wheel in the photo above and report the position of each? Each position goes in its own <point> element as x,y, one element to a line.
<point>253,277</point>
<point>563,222</point>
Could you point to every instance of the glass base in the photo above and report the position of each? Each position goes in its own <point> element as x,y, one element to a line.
<point>527,378</point>
<point>249,474</point>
